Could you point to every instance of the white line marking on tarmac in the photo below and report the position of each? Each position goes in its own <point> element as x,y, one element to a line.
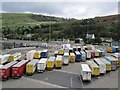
<point>46,83</point>
<point>81,81</point>
<point>71,82</point>
<point>65,71</point>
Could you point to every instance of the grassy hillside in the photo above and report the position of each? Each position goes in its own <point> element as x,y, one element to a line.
<point>17,26</point>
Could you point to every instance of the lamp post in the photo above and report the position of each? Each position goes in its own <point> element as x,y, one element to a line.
<point>87,29</point>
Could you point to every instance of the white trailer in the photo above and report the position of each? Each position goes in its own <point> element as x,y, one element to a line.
<point>4,58</point>
<point>41,65</point>
<point>88,54</point>
<point>101,65</point>
<point>30,55</point>
<point>66,58</point>
<point>85,72</point>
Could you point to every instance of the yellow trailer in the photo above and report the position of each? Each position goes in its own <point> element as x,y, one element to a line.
<point>108,64</point>
<point>58,61</point>
<point>94,67</point>
<point>31,67</point>
<point>37,54</point>
<point>109,49</point>
<point>97,54</point>
<point>14,57</point>
<point>72,57</point>
<point>61,51</point>
<point>51,62</point>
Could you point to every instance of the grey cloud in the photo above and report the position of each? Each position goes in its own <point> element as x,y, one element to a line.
<point>65,9</point>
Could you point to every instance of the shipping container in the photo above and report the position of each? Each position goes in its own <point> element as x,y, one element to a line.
<point>4,58</point>
<point>92,53</point>
<point>30,54</point>
<point>85,72</point>
<point>6,70</point>
<point>112,61</point>
<point>66,58</point>
<point>101,65</point>
<point>88,54</point>
<point>31,67</point>
<point>117,56</point>
<point>19,69</point>
<point>72,57</point>
<point>37,54</point>
<point>61,51</point>
<point>50,63</point>
<point>94,68</point>
<point>83,55</point>
<point>58,61</point>
<point>108,64</point>
<point>56,53</point>
<point>41,65</point>
<point>44,54</point>
<point>14,57</point>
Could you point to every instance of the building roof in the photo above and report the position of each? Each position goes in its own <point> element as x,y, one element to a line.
<point>90,36</point>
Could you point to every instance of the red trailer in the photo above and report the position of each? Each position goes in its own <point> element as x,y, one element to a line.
<point>19,69</point>
<point>92,53</point>
<point>5,71</point>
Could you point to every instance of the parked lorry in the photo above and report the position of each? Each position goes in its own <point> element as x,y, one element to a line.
<point>31,67</point>
<point>44,54</point>
<point>86,72</point>
<point>14,57</point>
<point>19,69</point>
<point>101,65</point>
<point>37,54</point>
<point>94,68</point>
<point>78,56</point>
<point>59,61</point>
<point>51,63</point>
<point>108,64</point>
<point>41,65</point>
<point>72,57</point>
<point>4,58</point>
<point>66,58</point>
<point>30,54</point>
<point>5,70</point>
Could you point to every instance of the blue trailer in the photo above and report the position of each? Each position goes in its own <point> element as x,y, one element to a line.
<point>83,55</point>
<point>74,49</point>
<point>78,56</point>
<point>44,54</point>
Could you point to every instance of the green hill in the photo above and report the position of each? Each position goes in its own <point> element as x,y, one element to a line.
<point>18,26</point>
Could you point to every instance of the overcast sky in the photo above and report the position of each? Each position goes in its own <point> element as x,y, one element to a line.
<point>76,10</point>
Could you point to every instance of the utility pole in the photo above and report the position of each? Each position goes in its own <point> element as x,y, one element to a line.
<point>87,29</point>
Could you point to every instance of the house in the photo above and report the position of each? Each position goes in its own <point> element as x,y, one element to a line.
<point>106,39</point>
<point>90,36</point>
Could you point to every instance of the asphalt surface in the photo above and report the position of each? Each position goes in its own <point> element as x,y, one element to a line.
<point>67,77</point>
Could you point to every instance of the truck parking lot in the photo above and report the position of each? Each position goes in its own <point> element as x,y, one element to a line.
<point>67,77</point>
